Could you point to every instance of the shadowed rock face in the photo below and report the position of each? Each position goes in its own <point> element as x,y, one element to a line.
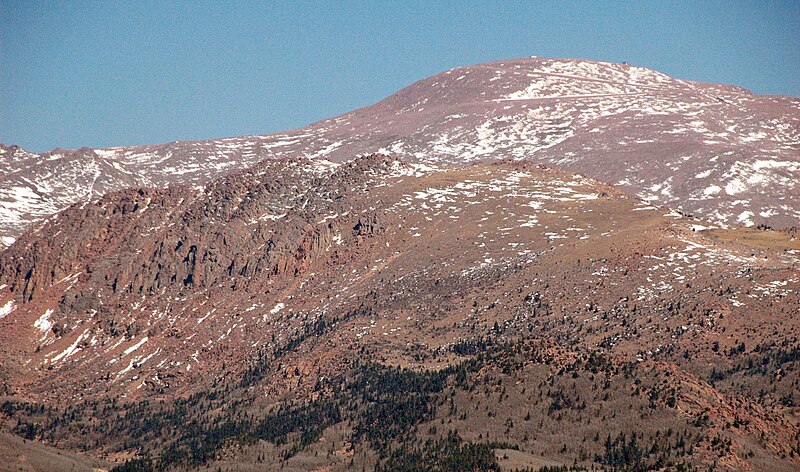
<point>237,233</point>
<point>718,151</point>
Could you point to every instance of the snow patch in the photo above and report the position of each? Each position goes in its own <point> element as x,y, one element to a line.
<point>135,346</point>
<point>277,308</point>
<point>6,309</point>
<point>44,324</point>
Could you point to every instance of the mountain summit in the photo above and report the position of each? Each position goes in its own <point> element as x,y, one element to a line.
<point>716,151</point>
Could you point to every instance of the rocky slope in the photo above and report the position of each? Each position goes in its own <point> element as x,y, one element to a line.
<point>717,151</point>
<point>318,316</point>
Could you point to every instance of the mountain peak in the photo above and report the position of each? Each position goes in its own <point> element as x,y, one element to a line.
<point>712,150</point>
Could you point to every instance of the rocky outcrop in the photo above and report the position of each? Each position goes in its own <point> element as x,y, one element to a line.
<point>237,233</point>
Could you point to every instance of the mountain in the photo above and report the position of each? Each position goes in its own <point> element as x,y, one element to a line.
<point>433,306</point>
<point>717,151</point>
<point>189,320</point>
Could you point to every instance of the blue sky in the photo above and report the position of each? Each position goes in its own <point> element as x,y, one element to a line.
<point>99,74</point>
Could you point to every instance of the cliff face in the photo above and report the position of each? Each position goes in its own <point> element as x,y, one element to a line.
<point>237,233</point>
